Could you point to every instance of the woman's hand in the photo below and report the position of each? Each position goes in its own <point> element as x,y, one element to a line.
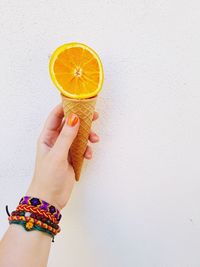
<point>53,181</point>
<point>54,176</point>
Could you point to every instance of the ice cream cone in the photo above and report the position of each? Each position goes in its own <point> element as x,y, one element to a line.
<point>84,108</point>
<point>77,72</point>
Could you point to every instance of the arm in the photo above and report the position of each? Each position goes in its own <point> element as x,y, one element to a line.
<point>53,181</point>
<point>19,248</point>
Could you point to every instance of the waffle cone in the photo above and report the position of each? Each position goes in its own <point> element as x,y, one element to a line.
<point>84,108</point>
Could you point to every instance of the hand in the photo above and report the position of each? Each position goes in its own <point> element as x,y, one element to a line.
<point>54,177</point>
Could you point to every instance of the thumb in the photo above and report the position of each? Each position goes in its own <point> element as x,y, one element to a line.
<point>67,136</point>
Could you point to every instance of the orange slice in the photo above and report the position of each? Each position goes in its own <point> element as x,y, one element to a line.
<point>76,70</point>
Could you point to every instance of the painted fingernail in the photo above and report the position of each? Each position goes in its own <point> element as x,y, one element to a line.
<point>72,120</point>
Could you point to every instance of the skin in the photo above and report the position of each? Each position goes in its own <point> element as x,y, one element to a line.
<point>53,181</point>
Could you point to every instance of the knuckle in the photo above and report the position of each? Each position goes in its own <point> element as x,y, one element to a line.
<point>65,133</point>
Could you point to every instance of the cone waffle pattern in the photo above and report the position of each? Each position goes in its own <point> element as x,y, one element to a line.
<point>84,108</point>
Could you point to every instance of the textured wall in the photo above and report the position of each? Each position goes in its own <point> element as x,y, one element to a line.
<point>138,201</point>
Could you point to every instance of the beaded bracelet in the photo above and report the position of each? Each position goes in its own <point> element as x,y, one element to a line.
<point>30,215</point>
<point>30,223</point>
<point>36,214</point>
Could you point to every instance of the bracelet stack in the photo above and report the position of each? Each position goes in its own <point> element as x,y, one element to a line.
<point>36,214</point>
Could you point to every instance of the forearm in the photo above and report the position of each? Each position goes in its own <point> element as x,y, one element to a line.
<point>19,248</point>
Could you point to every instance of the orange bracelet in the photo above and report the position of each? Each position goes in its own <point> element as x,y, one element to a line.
<point>25,207</point>
<point>30,222</point>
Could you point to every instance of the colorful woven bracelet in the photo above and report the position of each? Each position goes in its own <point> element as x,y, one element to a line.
<point>34,228</point>
<point>35,216</point>
<point>37,212</point>
<point>41,204</point>
<point>30,223</point>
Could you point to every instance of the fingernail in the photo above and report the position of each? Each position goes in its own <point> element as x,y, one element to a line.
<point>72,120</point>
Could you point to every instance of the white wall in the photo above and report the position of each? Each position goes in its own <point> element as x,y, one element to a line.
<point>138,202</point>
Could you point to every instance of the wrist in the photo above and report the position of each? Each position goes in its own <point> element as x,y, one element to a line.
<point>34,213</point>
<point>35,192</point>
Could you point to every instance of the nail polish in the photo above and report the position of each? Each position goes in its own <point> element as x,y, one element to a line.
<point>72,120</point>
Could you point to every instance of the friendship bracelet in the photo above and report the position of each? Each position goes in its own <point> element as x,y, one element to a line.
<point>37,211</point>
<point>34,228</point>
<point>41,204</point>
<point>35,216</point>
<point>30,223</point>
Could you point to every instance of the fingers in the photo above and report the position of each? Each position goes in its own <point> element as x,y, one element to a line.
<point>52,123</point>
<point>66,136</point>
<point>88,153</point>
<point>58,133</point>
<point>93,137</point>
<point>95,116</point>
<point>55,118</point>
